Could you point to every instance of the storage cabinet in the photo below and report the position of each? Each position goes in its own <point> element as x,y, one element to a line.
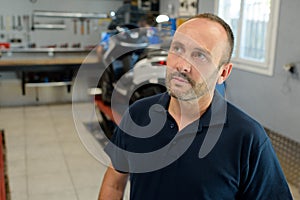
<point>36,69</point>
<point>47,78</point>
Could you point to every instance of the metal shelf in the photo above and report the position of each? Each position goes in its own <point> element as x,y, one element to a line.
<point>50,26</point>
<point>45,50</point>
<point>58,14</point>
<point>48,84</point>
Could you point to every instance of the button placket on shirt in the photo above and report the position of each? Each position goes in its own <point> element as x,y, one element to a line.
<point>172,125</point>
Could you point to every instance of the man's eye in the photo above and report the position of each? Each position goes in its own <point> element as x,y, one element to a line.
<point>199,56</point>
<point>177,49</point>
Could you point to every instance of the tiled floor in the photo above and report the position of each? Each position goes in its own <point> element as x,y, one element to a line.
<point>46,158</point>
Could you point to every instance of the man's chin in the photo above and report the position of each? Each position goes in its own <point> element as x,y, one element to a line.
<point>187,96</point>
<point>183,96</point>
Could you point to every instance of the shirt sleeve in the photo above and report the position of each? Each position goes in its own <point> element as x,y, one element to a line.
<point>263,178</point>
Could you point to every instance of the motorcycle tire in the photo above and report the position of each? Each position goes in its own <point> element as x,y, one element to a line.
<point>146,91</point>
<point>106,85</point>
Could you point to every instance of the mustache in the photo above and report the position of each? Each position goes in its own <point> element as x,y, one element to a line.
<point>183,76</point>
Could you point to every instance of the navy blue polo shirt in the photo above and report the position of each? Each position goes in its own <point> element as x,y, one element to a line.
<point>223,155</point>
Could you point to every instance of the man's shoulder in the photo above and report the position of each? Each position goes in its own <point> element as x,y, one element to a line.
<point>239,113</point>
<point>245,124</point>
<point>235,116</point>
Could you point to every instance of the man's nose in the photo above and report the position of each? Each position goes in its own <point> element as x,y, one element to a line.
<point>183,65</point>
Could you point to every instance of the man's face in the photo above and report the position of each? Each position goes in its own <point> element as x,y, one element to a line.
<point>193,60</point>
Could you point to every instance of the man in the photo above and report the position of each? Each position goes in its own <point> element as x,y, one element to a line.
<point>206,147</point>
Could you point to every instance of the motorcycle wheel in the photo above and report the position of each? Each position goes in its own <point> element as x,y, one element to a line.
<point>146,91</point>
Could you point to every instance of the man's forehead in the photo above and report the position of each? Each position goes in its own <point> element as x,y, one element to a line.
<point>203,34</point>
<point>186,40</point>
<point>201,27</point>
<point>196,22</point>
<point>183,37</point>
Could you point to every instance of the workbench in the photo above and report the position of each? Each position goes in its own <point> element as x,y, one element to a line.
<point>46,67</point>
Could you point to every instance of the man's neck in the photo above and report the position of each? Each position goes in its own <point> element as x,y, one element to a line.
<point>186,112</point>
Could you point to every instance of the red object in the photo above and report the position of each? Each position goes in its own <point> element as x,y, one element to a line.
<point>159,63</point>
<point>162,62</point>
<point>114,116</point>
<point>4,45</point>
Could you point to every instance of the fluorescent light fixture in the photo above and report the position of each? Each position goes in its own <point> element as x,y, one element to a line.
<point>162,18</point>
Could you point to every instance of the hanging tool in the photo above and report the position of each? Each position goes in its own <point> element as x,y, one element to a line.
<point>32,22</point>
<point>19,26</point>
<point>88,26</point>
<point>75,26</point>
<point>82,26</point>
<point>13,22</point>
<point>26,22</point>
<point>1,22</point>
<point>27,29</point>
<point>7,23</point>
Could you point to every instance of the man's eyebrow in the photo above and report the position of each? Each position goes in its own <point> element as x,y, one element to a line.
<point>177,43</point>
<point>199,49</point>
<point>204,51</point>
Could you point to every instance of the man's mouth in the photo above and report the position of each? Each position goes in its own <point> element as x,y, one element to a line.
<point>180,79</point>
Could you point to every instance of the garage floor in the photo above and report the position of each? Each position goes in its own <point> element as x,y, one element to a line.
<point>45,157</point>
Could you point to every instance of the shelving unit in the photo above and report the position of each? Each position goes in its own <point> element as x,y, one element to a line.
<point>48,84</point>
<point>62,15</point>
<point>58,14</point>
<point>52,76</point>
<point>47,78</point>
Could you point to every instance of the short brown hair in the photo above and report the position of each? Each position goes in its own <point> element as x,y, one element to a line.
<point>227,55</point>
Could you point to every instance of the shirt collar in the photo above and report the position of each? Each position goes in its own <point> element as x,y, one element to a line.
<point>215,114</point>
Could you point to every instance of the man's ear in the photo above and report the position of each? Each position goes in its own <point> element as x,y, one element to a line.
<point>225,71</point>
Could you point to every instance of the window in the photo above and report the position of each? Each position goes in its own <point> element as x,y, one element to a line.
<point>254,25</point>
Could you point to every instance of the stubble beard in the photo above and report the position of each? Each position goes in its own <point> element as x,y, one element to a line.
<point>197,90</point>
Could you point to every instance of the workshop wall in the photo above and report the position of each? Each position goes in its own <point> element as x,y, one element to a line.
<point>11,10</point>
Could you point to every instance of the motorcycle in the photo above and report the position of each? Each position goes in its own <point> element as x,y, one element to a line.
<point>135,69</point>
